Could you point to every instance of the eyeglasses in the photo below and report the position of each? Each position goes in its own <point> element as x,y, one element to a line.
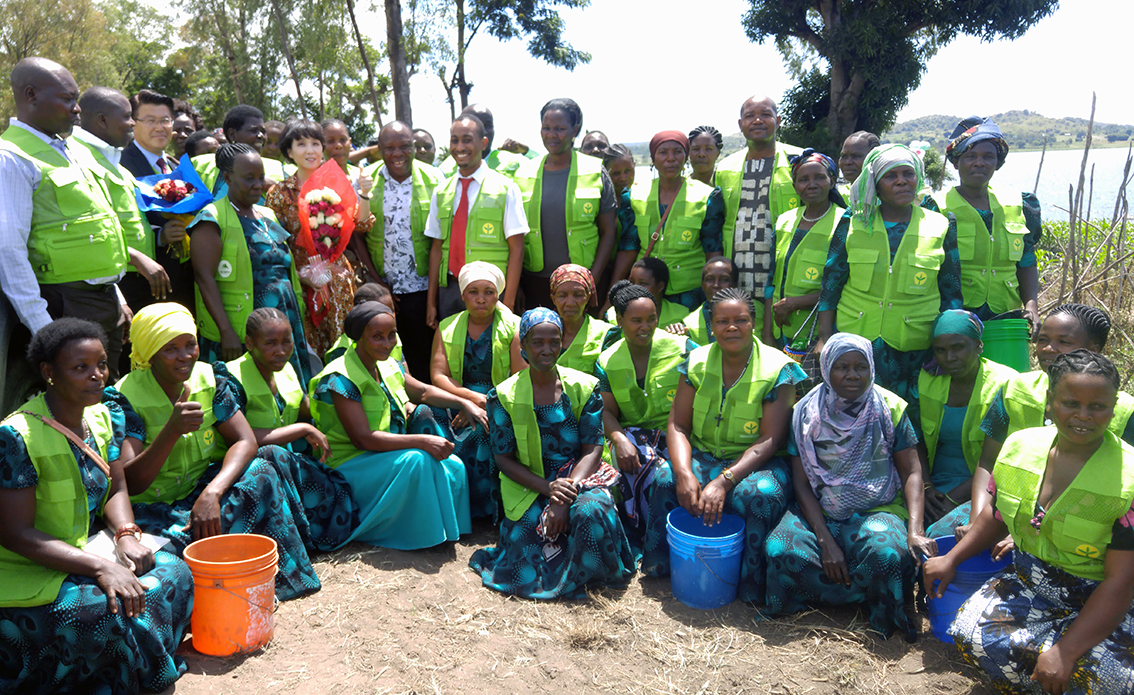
<point>151,122</point>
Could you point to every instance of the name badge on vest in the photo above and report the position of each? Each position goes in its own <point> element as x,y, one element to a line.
<point>224,269</point>
<point>488,231</point>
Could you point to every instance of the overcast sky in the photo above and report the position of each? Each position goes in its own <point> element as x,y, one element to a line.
<point>658,64</point>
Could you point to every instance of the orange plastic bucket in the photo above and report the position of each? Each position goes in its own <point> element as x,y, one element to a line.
<point>234,582</point>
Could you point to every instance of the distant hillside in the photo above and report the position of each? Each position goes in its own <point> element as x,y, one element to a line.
<point>1022,129</point>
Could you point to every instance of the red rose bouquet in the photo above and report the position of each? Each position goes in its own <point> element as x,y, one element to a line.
<point>327,210</point>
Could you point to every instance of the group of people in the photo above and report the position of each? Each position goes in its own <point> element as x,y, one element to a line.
<point>542,342</point>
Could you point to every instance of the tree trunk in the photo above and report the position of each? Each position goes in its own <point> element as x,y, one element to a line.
<point>842,118</point>
<point>448,94</point>
<point>462,85</point>
<point>221,19</point>
<point>398,73</point>
<point>365,63</point>
<point>287,54</point>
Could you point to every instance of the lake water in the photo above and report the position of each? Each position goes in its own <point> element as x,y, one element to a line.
<point>1060,169</point>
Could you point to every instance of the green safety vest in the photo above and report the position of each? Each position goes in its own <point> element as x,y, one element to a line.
<point>60,500</point>
<point>234,273</point>
<point>585,349</point>
<point>506,163</point>
<point>193,452</point>
<point>781,198</point>
<point>933,394</point>
<point>206,166</point>
<point>119,183</point>
<point>650,407</point>
<point>425,179</point>
<point>273,169</point>
<point>581,208</point>
<point>740,409</point>
<point>454,331</point>
<point>697,329</point>
<point>1076,527</point>
<point>484,230</point>
<point>262,412</point>
<point>515,395</point>
<point>75,233</point>
<point>680,242</point>
<point>802,274</point>
<point>374,403</point>
<point>344,343</point>
<point>1025,400</point>
<point>988,261</point>
<point>897,301</point>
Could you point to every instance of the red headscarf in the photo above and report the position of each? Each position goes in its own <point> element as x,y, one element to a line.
<point>570,272</point>
<point>667,136</point>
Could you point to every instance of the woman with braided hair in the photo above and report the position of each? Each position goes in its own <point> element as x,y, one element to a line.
<point>241,262</point>
<point>705,145</point>
<point>1060,620</point>
<point>729,418</point>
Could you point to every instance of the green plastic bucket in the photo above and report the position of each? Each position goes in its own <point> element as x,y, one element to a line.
<point>1007,341</point>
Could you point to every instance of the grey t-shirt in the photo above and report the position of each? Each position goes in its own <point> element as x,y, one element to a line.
<point>553,216</point>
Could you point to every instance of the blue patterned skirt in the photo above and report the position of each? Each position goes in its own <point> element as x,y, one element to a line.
<point>877,556</point>
<point>760,499</point>
<point>471,445</point>
<point>261,501</point>
<point>1016,616</point>
<point>595,551</point>
<point>949,523</point>
<point>76,645</point>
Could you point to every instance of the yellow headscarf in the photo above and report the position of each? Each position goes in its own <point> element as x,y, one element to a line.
<point>153,327</point>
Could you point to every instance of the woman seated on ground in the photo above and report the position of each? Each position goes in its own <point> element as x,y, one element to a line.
<point>1059,621</point>
<point>74,621</point>
<point>678,219</point>
<point>584,338</point>
<point>561,533</point>
<point>619,164</point>
<point>191,460</point>
<point>369,292</point>
<point>892,267</point>
<point>241,262</point>
<point>410,490</point>
<point>705,145</point>
<point>803,235</point>
<point>729,418</point>
<point>955,391</point>
<point>653,274</point>
<point>854,452</point>
<point>1023,400</point>
<point>275,404</point>
<point>637,377</point>
<point>474,351</point>
<point>719,273</point>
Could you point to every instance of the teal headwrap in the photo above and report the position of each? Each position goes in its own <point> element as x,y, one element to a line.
<point>958,322</point>
<point>864,194</point>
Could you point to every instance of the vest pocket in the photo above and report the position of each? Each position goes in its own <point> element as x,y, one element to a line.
<point>1014,240</point>
<point>81,255</point>
<point>744,422</point>
<point>809,268</point>
<point>54,491</point>
<point>586,205</point>
<point>966,242</point>
<point>1082,542</point>
<point>919,275</point>
<point>683,234</point>
<point>71,193</point>
<point>862,264</point>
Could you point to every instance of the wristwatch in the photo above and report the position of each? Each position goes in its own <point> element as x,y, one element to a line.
<point>727,475</point>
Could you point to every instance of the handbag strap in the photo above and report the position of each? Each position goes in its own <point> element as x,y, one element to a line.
<point>657,232</point>
<point>74,439</point>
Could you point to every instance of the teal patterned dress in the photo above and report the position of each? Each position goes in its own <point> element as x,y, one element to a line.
<point>75,644</point>
<point>595,551</point>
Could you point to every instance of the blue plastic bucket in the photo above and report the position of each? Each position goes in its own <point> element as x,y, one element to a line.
<point>1007,341</point>
<point>704,560</point>
<point>971,575</point>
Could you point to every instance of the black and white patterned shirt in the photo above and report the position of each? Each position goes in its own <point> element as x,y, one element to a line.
<point>753,250</point>
<point>397,204</point>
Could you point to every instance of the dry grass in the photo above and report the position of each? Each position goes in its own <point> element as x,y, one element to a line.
<point>397,622</point>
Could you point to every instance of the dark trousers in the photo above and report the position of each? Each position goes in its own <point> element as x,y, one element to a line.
<point>415,333</point>
<point>449,300</point>
<point>537,291</point>
<point>97,303</point>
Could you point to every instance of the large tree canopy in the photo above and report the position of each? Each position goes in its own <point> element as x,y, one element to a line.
<point>875,52</point>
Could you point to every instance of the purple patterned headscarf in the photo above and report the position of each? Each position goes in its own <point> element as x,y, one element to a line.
<point>846,445</point>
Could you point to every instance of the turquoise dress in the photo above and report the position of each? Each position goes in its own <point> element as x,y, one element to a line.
<point>406,499</point>
<point>271,285</point>
<point>950,470</point>
<point>595,551</point>
<point>470,442</point>
<point>75,644</point>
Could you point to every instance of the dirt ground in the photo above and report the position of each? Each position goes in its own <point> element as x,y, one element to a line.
<point>420,622</point>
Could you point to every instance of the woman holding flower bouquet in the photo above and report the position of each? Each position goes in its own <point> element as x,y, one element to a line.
<point>303,144</point>
<point>241,262</point>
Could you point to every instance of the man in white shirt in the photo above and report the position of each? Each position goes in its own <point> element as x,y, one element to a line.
<point>60,239</point>
<point>477,227</point>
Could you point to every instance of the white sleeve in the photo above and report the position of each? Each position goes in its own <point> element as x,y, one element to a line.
<point>515,218</point>
<point>18,181</point>
<point>432,226</point>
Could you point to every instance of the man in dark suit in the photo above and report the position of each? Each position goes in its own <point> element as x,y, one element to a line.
<point>145,156</point>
